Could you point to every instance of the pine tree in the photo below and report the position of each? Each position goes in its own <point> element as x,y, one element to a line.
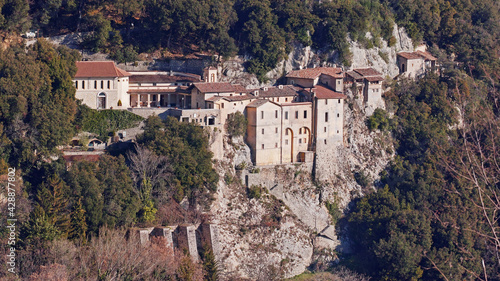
<point>52,200</point>
<point>78,224</point>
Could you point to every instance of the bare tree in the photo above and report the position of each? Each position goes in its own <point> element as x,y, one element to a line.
<point>149,171</point>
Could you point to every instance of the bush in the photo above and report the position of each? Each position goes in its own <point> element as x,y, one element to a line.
<point>255,191</point>
<point>362,179</point>
<point>333,210</point>
<point>379,120</point>
<point>241,166</point>
<point>236,124</point>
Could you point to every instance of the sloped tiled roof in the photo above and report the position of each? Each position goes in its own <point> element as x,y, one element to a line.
<point>296,103</point>
<point>214,98</point>
<point>409,56</point>
<point>426,55</point>
<point>99,69</point>
<point>325,93</point>
<point>219,87</point>
<point>313,73</point>
<point>257,103</point>
<point>155,78</point>
<point>354,75</point>
<point>286,91</point>
<point>159,91</point>
<point>374,78</point>
<point>239,98</point>
<point>367,72</point>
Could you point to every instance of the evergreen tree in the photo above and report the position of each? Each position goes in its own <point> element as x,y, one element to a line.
<point>78,228</point>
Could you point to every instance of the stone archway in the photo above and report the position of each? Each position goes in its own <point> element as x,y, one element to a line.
<point>288,146</point>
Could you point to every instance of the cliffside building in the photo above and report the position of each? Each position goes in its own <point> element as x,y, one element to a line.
<point>415,64</point>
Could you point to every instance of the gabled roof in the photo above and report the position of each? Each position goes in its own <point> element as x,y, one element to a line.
<point>374,78</point>
<point>313,73</point>
<point>354,75</point>
<point>239,98</point>
<point>325,93</point>
<point>410,56</point>
<point>219,87</point>
<point>296,103</point>
<point>155,78</point>
<point>426,55</point>
<point>367,72</point>
<point>99,69</point>
<point>285,91</point>
<point>259,102</point>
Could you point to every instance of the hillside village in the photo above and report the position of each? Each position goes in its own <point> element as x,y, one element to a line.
<point>286,123</point>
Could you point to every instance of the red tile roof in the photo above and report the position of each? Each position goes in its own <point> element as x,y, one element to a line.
<point>367,72</point>
<point>325,93</point>
<point>155,78</point>
<point>219,87</point>
<point>426,55</point>
<point>313,73</point>
<point>374,78</point>
<point>285,91</point>
<point>296,103</point>
<point>99,69</point>
<point>409,56</point>
<point>159,91</point>
<point>239,98</point>
<point>259,102</point>
<point>354,75</point>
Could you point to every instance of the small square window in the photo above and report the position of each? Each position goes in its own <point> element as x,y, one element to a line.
<point>275,114</point>
<point>326,101</point>
<point>305,114</point>
<point>338,132</point>
<point>338,114</point>
<point>262,146</point>
<point>339,100</point>
<point>296,115</point>
<point>286,133</point>
<point>276,145</point>
<point>325,129</point>
<point>300,131</point>
<point>286,142</point>
<point>262,131</point>
<point>109,84</point>
<point>325,141</point>
<point>262,115</point>
<point>286,115</point>
<point>326,116</point>
<point>300,140</point>
<point>276,130</point>
<point>76,84</point>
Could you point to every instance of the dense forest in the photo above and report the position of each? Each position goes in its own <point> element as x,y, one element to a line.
<point>434,215</point>
<point>264,30</point>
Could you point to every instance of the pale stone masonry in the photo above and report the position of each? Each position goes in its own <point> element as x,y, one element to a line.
<point>286,123</point>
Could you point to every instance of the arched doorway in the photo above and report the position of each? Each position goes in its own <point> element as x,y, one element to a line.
<point>287,147</point>
<point>307,131</point>
<point>101,101</point>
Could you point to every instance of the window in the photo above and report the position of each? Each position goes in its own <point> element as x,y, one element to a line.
<point>286,142</point>
<point>325,129</point>
<point>262,115</point>
<point>326,116</point>
<point>305,140</point>
<point>286,99</point>
<point>338,132</point>
<point>83,84</point>
<point>286,133</point>
<point>102,84</point>
<point>286,115</point>
<point>296,115</point>
<point>262,131</point>
<point>276,130</point>
<point>154,84</point>
<point>300,131</point>
<point>276,144</point>
<point>95,84</point>
<point>109,84</point>
<point>275,114</point>
<point>338,114</point>
<point>234,104</point>
<point>262,146</point>
<point>339,100</point>
<point>325,141</point>
<point>305,114</point>
<point>300,140</point>
<point>76,84</point>
<point>278,99</point>
<point>326,101</point>
<point>222,105</point>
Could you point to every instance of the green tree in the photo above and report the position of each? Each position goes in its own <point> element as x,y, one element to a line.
<point>236,124</point>
<point>78,228</point>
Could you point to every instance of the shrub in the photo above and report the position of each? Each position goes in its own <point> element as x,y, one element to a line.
<point>255,191</point>
<point>379,120</point>
<point>333,210</point>
<point>236,124</point>
<point>362,179</point>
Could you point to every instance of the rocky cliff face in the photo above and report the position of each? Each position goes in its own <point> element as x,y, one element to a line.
<point>381,58</point>
<point>289,228</point>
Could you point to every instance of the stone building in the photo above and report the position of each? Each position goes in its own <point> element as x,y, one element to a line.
<point>332,77</point>
<point>101,85</point>
<point>415,64</point>
<point>367,83</point>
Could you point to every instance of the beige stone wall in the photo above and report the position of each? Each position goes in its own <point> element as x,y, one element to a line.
<point>306,83</point>
<point>117,91</point>
<point>336,84</point>
<point>264,127</point>
<point>373,95</point>
<point>297,131</point>
<point>329,130</point>
<point>413,67</point>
